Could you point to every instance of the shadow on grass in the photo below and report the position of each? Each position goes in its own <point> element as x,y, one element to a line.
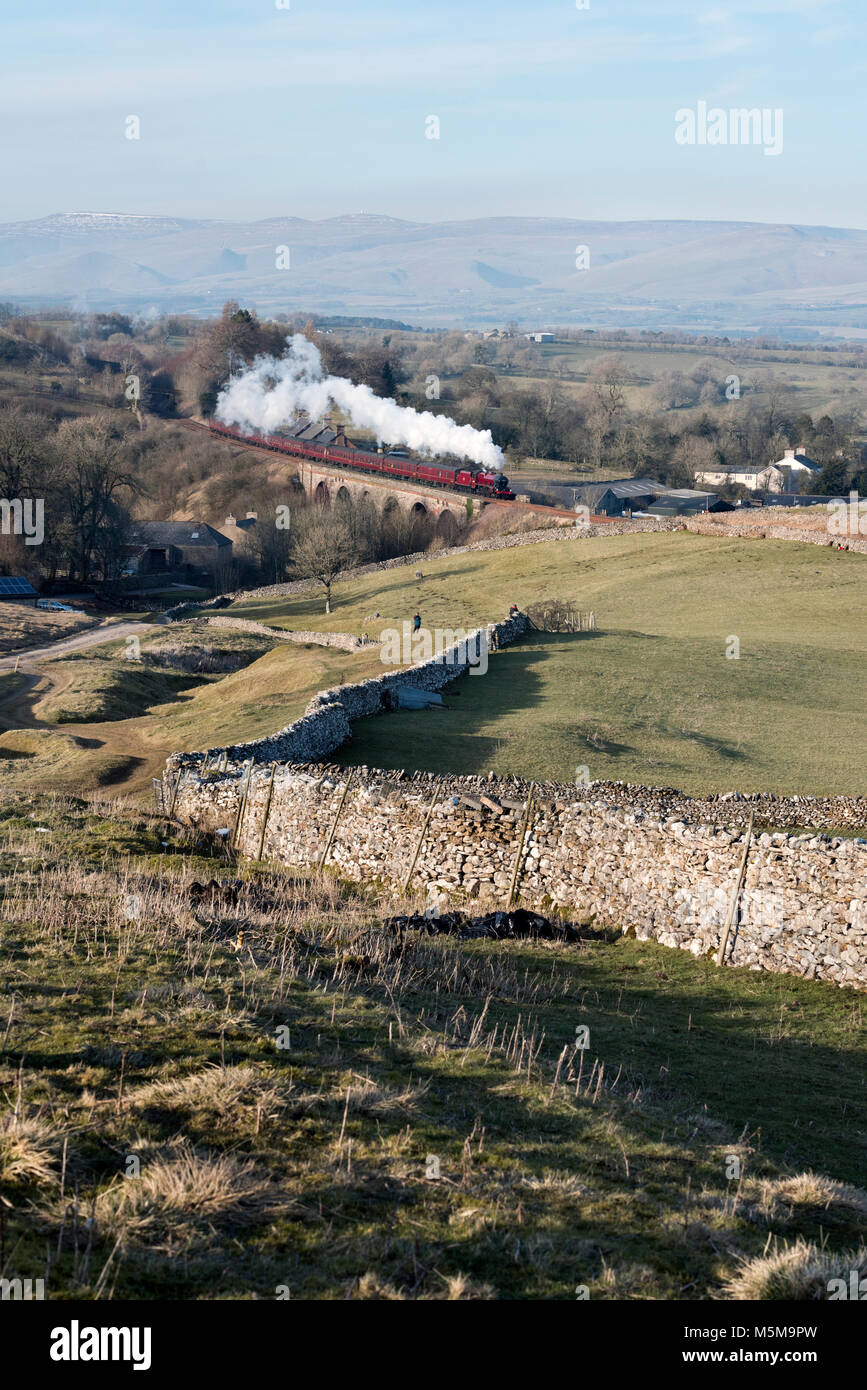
<point>449,740</point>
<point>773,1054</point>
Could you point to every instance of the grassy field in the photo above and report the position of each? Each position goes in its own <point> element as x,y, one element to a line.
<point>265,1091</point>
<point>100,746</point>
<point>95,689</point>
<point>106,684</point>
<point>21,626</point>
<point>652,697</point>
<point>816,382</point>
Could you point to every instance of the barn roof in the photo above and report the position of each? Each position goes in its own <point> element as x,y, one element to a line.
<point>179,533</point>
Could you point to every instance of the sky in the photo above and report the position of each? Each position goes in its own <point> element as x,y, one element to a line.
<point>249,110</point>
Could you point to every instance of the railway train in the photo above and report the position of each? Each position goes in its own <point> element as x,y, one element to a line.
<point>463,477</point>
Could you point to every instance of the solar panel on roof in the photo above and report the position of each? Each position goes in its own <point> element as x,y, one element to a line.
<point>12,584</point>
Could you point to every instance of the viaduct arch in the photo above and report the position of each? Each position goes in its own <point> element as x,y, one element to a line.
<point>448,511</point>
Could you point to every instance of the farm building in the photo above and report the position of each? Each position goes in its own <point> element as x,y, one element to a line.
<point>796,461</point>
<point>318,432</point>
<point>15,588</point>
<point>640,494</point>
<point>681,501</point>
<point>157,547</point>
<point>769,477</point>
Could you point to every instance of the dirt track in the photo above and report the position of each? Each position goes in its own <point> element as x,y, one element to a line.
<point>92,637</point>
<point>17,708</point>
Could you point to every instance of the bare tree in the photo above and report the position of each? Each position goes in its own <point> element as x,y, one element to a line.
<point>607,379</point>
<point>23,451</point>
<point>94,482</point>
<point>323,548</point>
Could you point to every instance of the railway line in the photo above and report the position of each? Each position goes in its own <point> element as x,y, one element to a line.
<point>326,459</point>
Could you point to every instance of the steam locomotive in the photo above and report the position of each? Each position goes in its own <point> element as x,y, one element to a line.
<point>464,477</point>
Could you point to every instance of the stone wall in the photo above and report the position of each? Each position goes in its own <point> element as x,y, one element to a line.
<point>647,861</point>
<point>325,723</point>
<point>342,641</point>
<point>802,909</point>
<point>705,526</point>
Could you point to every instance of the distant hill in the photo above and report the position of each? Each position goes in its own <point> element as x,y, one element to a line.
<point>705,275</point>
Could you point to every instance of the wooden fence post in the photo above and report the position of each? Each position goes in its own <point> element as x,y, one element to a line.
<point>267,812</point>
<point>242,804</point>
<point>517,863</point>
<point>330,839</point>
<point>175,790</point>
<point>408,878</point>
<point>736,894</point>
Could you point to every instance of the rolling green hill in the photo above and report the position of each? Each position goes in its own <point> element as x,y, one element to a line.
<point>652,697</point>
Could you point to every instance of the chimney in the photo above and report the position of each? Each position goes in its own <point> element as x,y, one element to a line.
<point>252,516</point>
<point>230,521</point>
<point>789,453</point>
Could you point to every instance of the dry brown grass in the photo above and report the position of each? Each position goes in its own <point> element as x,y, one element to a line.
<point>22,627</point>
<point>795,1272</point>
<point>216,1093</point>
<point>144,1021</point>
<point>28,1151</point>
<point>811,1190</point>
<point>188,1189</point>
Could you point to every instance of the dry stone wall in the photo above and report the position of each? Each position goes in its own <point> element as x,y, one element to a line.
<point>647,861</point>
<point>325,723</point>
<point>802,909</point>
<point>342,641</point>
<point>705,526</point>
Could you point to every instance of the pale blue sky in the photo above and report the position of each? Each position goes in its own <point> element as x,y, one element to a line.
<point>251,111</point>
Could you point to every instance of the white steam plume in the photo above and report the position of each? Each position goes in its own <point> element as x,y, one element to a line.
<point>271,392</point>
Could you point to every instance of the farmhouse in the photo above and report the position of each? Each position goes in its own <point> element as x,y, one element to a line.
<point>796,461</point>
<point>238,528</point>
<point>318,432</point>
<point>769,477</point>
<point>157,547</point>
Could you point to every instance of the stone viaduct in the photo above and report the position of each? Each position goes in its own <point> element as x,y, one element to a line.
<point>447,510</point>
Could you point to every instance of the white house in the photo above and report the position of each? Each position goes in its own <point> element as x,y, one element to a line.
<point>767,477</point>
<point>796,461</point>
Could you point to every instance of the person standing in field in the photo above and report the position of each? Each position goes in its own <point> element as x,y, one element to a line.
<point>416,622</point>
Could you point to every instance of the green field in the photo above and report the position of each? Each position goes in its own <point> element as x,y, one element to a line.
<point>141,1025</point>
<point>815,381</point>
<point>652,697</point>
<point>117,722</point>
